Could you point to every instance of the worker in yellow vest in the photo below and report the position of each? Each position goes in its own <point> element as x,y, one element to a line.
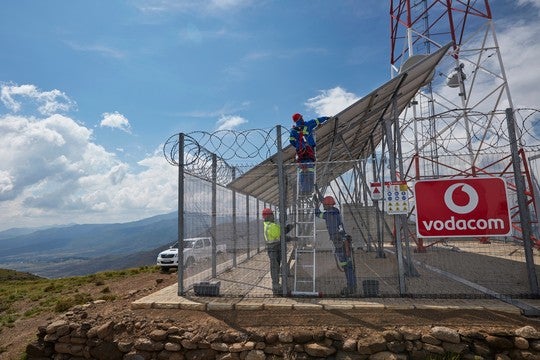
<point>272,233</point>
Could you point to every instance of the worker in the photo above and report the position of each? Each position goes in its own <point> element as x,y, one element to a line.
<point>272,236</point>
<point>341,241</point>
<point>303,139</point>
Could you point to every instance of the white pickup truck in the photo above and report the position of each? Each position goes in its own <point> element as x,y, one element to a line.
<point>195,249</point>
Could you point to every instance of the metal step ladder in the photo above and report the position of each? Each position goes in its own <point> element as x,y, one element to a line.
<point>305,267</point>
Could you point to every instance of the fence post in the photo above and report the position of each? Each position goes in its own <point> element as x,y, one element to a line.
<point>281,189</point>
<point>181,234</point>
<point>235,234</point>
<point>247,230</point>
<point>524,216</point>
<point>214,214</point>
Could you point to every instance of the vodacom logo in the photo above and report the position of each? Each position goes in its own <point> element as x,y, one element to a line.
<point>461,209</point>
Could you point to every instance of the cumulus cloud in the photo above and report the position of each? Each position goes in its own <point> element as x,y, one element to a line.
<point>52,172</point>
<point>116,120</point>
<point>48,102</point>
<point>230,122</point>
<point>331,102</point>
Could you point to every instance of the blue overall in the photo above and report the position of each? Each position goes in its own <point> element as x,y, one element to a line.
<point>334,225</point>
<point>301,137</point>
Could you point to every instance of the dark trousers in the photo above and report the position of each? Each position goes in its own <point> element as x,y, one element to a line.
<point>344,255</point>
<point>274,254</point>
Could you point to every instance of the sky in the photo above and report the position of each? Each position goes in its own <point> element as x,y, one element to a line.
<point>90,91</point>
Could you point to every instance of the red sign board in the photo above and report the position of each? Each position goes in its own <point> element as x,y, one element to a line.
<point>461,207</point>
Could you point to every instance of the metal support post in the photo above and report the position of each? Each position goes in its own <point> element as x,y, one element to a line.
<point>524,215</point>
<point>181,234</point>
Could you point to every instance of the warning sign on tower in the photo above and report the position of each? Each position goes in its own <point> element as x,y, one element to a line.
<point>396,196</point>
<point>376,191</point>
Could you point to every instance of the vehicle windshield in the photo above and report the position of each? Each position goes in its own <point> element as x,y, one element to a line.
<point>187,244</point>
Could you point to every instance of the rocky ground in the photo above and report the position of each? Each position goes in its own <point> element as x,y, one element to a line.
<point>356,322</point>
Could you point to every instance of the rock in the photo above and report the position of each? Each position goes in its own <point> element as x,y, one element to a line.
<point>499,342</point>
<point>318,350</point>
<point>445,334</point>
<point>527,332</point>
<point>255,355</point>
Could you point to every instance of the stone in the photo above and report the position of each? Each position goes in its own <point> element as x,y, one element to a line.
<point>285,337</point>
<point>410,334</point>
<point>302,337</point>
<point>255,355</point>
<point>200,354</point>
<point>499,343</point>
<point>455,348</point>
<point>430,339</point>
<point>172,347</point>
<point>54,326</point>
<point>158,335</point>
<point>384,355</point>
<point>527,332</point>
<point>396,346</point>
<point>106,351</point>
<point>521,343</point>
<point>349,345</point>
<point>434,349</point>
<point>219,346</point>
<point>392,335</point>
<point>445,334</point>
<point>318,350</point>
<point>371,345</point>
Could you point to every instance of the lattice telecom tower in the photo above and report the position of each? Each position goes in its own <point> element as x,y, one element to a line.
<point>462,111</point>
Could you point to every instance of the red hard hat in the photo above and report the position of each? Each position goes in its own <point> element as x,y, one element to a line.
<point>296,117</point>
<point>267,212</point>
<point>328,200</point>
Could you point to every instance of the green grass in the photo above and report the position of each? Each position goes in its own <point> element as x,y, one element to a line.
<point>53,295</point>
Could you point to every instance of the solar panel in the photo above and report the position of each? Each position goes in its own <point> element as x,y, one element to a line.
<point>350,135</point>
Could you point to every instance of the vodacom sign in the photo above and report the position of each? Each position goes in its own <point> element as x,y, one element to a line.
<point>462,207</point>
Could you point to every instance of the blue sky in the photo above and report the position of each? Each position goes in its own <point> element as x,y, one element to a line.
<point>91,90</point>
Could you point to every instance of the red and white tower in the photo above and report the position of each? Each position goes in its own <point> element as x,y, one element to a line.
<point>461,113</point>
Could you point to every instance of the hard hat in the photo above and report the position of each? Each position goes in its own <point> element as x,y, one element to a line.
<point>267,212</point>
<point>328,200</point>
<point>296,117</point>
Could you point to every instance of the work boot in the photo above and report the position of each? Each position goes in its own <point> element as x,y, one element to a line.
<point>344,292</point>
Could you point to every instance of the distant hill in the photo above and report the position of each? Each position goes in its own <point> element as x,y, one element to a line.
<point>6,274</point>
<point>84,249</point>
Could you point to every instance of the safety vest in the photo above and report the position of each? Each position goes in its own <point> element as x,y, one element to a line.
<point>272,232</point>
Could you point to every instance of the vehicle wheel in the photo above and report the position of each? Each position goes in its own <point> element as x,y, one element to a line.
<point>164,269</point>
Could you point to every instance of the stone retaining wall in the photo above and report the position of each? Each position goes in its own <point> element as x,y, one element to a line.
<point>137,340</point>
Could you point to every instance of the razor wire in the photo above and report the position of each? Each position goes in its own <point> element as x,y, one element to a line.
<point>488,136</point>
<point>229,146</point>
<point>488,132</point>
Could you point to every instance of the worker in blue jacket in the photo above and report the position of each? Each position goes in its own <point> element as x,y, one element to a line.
<point>340,240</point>
<point>303,139</point>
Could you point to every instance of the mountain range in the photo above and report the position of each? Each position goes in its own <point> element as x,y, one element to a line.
<point>84,249</point>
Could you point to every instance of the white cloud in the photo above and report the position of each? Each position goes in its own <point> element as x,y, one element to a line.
<point>207,7</point>
<point>115,120</point>
<point>230,122</point>
<point>330,102</point>
<point>49,102</point>
<point>532,2</point>
<point>103,50</point>
<point>53,173</point>
<point>520,52</point>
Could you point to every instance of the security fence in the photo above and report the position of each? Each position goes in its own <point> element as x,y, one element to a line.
<point>386,256</point>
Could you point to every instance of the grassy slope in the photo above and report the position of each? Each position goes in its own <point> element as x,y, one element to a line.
<point>23,295</point>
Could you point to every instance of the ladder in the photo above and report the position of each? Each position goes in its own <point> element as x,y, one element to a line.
<point>305,250</point>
